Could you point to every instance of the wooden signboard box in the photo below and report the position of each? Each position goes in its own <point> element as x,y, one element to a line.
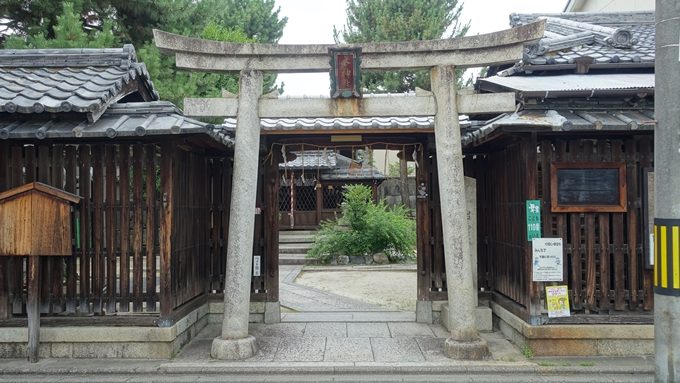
<point>35,221</point>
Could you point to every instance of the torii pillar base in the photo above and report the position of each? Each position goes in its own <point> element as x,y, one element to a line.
<point>233,349</point>
<point>474,350</point>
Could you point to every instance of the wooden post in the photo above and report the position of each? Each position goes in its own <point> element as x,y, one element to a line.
<point>166,224</point>
<point>292,200</point>
<point>318,188</point>
<point>33,308</point>
<point>403,179</point>
<point>533,288</point>
<point>423,233</point>
<point>271,228</point>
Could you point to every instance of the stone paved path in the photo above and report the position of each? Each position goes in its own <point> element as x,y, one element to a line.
<point>350,342</point>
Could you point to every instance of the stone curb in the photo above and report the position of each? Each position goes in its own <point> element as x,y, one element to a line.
<point>159,367</point>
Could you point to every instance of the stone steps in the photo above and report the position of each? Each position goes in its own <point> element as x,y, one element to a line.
<point>294,245</point>
<point>292,248</point>
<point>284,233</point>
<point>296,238</point>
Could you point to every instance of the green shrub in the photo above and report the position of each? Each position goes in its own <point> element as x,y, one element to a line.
<point>365,228</point>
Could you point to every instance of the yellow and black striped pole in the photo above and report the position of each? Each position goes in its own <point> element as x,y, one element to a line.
<point>667,256</point>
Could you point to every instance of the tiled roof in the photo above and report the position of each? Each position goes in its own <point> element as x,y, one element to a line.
<point>70,80</point>
<point>591,38</point>
<point>135,119</point>
<point>341,123</point>
<point>321,159</point>
<point>349,169</point>
<point>564,120</point>
<point>331,165</point>
<point>283,124</point>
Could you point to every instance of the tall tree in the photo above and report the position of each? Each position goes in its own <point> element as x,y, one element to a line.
<point>67,32</point>
<point>131,20</point>
<point>399,20</point>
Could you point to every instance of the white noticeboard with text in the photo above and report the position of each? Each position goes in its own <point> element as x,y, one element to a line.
<point>548,260</point>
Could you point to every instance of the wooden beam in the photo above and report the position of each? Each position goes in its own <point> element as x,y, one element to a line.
<point>394,106</point>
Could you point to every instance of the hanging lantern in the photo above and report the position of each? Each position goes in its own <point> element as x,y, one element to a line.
<point>345,72</point>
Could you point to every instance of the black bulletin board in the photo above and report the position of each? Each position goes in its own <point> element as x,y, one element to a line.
<point>588,187</point>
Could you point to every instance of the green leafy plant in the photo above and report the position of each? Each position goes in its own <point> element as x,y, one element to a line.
<point>527,351</point>
<point>366,228</point>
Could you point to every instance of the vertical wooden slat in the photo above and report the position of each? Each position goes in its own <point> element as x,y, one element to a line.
<point>258,237</point>
<point>84,158</point>
<point>124,305</point>
<point>138,155</point>
<point>271,226</point>
<point>150,168</point>
<point>573,155</point>
<point>32,308</point>
<point>56,265</point>
<point>216,208</point>
<point>226,192</point>
<point>110,230</point>
<point>604,154</point>
<point>632,177</point>
<point>166,227</point>
<point>70,186</point>
<point>531,184</point>
<point>646,161</point>
<point>46,268</point>
<point>591,303</point>
<point>5,160</point>
<point>436,233</point>
<point>16,265</point>
<point>98,199</point>
<point>617,238</point>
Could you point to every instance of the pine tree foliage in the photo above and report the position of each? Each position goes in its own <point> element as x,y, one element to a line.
<point>399,20</point>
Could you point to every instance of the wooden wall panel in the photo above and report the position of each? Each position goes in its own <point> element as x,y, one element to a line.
<point>604,265</point>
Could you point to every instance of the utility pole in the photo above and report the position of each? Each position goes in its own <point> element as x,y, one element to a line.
<point>667,193</point>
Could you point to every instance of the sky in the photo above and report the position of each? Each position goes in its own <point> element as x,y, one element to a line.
<point>312,21</point>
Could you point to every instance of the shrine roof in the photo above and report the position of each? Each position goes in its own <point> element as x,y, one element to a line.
<point>80,80</point>
<point>595,39</point>
<point>588,85</point>
<point>134,119</point>
<point>425,123</point>
<point>564,120</point>
<point>331,165</point>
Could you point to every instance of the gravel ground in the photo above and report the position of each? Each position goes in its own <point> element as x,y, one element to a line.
<point>394,290</point>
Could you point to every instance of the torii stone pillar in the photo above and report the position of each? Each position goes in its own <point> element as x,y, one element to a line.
<point>464,342</point>
<point>235,342</point>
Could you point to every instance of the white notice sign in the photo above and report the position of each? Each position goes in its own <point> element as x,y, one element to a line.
<point>547,260</point>
<point>256,266</point>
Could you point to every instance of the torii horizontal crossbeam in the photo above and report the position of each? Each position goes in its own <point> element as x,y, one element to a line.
<point>367,107</point>
<point>471,51</point>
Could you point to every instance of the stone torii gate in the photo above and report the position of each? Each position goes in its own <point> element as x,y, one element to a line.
<point>441,56</point>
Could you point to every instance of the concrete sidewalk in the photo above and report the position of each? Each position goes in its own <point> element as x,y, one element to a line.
<point>339,351</point>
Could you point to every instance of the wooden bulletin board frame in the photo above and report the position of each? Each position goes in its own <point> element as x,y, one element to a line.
<point>559,207</point>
